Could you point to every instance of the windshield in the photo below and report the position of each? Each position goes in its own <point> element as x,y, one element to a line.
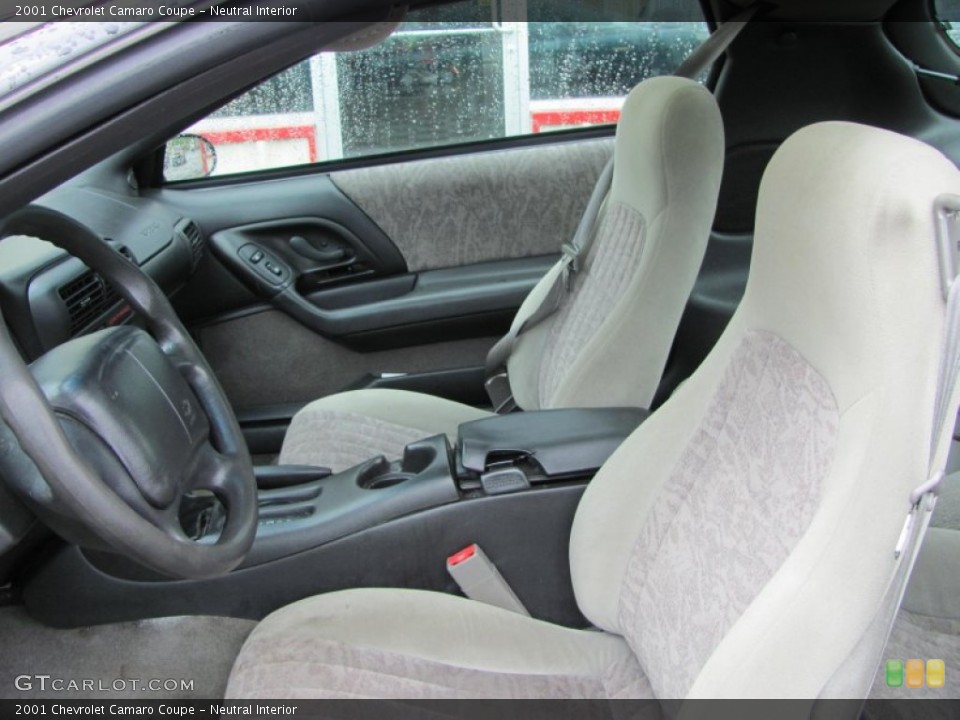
<point>32,51</point>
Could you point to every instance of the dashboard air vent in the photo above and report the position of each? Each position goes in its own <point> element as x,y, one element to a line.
<point>190,232</point>
<point>86,298</point>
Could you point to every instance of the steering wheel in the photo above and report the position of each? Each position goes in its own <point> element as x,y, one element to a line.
<point>104,435</point>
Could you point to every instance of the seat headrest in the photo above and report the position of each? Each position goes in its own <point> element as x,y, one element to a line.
<point>669,148</point>
<point>845,263</point>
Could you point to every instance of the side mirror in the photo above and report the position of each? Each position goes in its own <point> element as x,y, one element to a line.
<point>189,157</point>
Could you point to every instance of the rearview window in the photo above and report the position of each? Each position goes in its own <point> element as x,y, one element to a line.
<point>436,84</point>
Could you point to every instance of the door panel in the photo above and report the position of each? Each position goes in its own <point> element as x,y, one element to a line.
<point>477,232</point>
<point>454,211</point>
<point>267,358</point>
<point>254,200</point>
<point>312,251</point>
<point>416,309</point>
<point>342,298</point>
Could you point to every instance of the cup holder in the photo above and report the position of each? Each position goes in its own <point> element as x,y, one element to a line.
<point>380,474</point>
<point>385,481</point>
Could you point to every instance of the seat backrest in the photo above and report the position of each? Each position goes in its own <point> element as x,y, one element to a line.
<point>742,538</point>
<point>608,343</point>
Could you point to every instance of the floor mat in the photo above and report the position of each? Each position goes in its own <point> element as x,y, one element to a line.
<point>166,658</point>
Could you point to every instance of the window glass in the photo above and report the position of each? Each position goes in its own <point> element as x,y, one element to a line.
<point>948,13</point>
<point>433,85</point>
<point>441,81</point>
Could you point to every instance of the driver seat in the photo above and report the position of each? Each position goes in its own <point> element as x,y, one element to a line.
<point>741,541</point>
<point>608,343</point>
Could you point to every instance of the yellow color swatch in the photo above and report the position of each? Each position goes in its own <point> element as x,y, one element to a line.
<point>936,673</point>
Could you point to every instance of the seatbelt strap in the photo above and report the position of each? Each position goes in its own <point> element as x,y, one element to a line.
<point>497,381</point>
<point>710,50</point>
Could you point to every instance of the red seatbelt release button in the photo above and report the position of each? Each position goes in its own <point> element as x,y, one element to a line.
<point>458,557</point>
<point>480,580</point>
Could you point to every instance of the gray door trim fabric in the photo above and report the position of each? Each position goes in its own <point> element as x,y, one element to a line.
<point>464,209</point>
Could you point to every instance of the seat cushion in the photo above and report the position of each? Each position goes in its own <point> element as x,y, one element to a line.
<point>409,644</point>
<point>345,429</point>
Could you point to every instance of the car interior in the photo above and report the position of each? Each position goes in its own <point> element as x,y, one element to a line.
<point>486,350</point>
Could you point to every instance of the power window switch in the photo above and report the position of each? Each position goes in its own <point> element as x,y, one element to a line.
<point>256,257</point>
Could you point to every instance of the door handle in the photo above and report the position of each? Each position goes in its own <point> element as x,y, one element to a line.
<point>307,249</point>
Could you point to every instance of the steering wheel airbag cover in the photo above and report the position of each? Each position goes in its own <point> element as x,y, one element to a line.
<point>119,385</point>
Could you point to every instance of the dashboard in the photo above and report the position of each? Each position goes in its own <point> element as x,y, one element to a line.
<point>49,297</point>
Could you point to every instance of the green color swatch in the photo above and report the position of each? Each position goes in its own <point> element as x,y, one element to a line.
<point>894,673</point>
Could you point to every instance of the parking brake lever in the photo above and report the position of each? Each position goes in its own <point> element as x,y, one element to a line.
<point>306,249</point>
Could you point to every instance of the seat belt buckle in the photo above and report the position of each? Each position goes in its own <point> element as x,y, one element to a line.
<point>479,579</point>
<point>500,394</point>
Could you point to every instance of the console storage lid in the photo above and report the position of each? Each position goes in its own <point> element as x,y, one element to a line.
<point>562,442</point>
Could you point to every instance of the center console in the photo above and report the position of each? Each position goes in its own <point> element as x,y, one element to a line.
<point>510,483</point>
<point>302,516</point>
<point>494,456</point>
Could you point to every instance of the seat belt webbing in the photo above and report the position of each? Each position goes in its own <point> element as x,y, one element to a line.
<point>710,50</point>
